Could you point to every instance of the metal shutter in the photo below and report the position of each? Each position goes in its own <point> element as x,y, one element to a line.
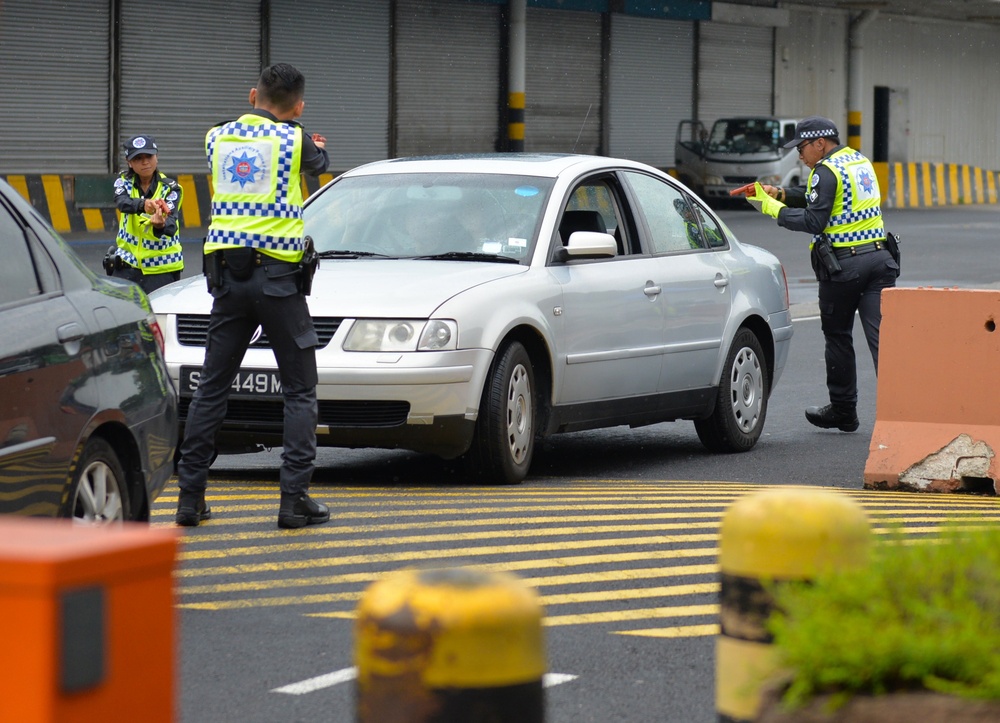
<point>447,68</point>
<point>652,87</point>
<point>55,86</point>
<point>343,50</point>
<point>563,81</point>
<point>735,71</point>
<point>185,66</point>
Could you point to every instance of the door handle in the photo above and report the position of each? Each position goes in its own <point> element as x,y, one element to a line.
<point>69,332</point>
<point>721,281</point>
<point>652,291</point>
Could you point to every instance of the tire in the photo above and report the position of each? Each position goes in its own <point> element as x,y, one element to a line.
<point>99,491</point>
<point>504,440</point>
<point>737,421</point>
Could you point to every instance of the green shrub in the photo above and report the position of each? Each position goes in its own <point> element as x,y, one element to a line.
<point>922,615</point>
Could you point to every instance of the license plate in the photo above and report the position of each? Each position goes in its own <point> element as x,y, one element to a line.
<point>247,382</point>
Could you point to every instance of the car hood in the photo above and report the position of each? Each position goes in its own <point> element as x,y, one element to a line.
<point>361,287</point>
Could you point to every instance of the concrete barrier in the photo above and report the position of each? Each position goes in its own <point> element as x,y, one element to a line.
<point>921,185</point>
<point>456,645</point>
<point>937,418</point>
<point>773,537</point>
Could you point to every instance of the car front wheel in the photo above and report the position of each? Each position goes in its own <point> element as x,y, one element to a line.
<point>99,495</point>
<point>738,418</point>
<point>505,431</point>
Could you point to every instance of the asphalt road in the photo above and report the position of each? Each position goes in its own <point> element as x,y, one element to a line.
<point>616,529</point>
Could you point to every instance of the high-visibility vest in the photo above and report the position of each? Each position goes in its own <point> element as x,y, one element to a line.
<point>139,244</point>
<point>257,197</point>
<point>856,218</point>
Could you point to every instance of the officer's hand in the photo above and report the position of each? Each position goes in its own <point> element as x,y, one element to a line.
<point>771,191</point>
<point>150,206</point>
<point>319,140</point>
<point>763,202</point>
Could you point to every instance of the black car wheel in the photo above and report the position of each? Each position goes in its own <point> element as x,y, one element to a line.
<point>505,432</point>
<point>738,419</point>
<point>99,495</point>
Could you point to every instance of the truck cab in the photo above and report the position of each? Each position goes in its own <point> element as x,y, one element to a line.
<point>737,151</point>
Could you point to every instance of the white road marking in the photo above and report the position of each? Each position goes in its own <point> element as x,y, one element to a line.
<point>310,685</point>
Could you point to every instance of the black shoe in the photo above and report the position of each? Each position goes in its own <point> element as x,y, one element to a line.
<point>299,510</point>
<point>192,509</point>
<point>840,416</point>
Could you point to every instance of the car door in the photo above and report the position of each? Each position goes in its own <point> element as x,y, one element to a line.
<point>611,319</point>
<point>694,281</point>
<point>40,345</point>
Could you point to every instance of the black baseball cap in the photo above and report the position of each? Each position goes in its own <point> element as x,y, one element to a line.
<point>137,145</point>
<point>811,128</point>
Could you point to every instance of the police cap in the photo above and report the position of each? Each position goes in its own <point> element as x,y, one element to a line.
<point>811,128</point>
<point>137,145</point>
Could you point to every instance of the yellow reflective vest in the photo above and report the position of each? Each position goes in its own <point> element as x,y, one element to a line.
<point>139,244</point>
<point>257,197</point>
<point>856,218</point>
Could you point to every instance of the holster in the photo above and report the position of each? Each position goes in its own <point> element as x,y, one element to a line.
<point>892,244</point>
<point>824,262</point>
<point>307,267</point>
<point>110,259</point>
<point>212,268</point>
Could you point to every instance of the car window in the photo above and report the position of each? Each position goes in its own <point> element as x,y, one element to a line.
<point>712,232</point>
<point>673,225</point>
<point>18,280</point>
<point>592,206</point>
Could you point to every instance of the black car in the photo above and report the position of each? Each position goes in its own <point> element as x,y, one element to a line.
<point>88,414</point>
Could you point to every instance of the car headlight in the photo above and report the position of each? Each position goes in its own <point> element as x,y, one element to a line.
<point>402,335</point>
<point>713,181</point>
<point>772,180</point>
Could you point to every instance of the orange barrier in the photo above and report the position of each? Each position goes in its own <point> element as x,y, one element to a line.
<point>89,622</point>
<point>937,424</point>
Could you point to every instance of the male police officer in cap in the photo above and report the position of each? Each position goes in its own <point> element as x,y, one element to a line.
<point>840,207</point>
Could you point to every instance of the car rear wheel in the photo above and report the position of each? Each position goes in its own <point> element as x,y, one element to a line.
<point>99,495</point>
<point>505,431</point>
<point>738,419</point>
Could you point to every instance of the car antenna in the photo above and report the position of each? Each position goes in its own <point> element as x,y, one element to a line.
<point>582,127</point>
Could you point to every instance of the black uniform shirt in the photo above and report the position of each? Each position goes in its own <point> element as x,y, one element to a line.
<point>809,209</point>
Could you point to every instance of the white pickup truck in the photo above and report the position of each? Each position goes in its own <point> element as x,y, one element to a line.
<point>738,151</point>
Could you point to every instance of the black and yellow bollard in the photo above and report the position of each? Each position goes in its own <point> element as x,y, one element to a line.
<point>449,646</point>
<point>777,536</point>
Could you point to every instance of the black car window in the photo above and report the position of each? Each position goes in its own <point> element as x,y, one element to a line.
<point>18,280</point>
<point>672,224</point>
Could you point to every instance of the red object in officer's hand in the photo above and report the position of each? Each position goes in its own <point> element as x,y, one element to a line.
<point>746,190</point>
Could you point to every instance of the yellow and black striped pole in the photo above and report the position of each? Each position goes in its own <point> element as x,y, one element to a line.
<point>450,646</point>
<point>517,41</point>
<point>777,536</point>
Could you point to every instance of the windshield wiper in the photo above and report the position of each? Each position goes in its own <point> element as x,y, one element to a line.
<point>346,254</point>
<point>469,256</point>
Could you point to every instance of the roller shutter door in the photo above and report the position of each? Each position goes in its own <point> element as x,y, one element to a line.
<point>735,71</point>
<point>447,69</point>
<point>563,110</point>
<point>651,87</point>
<point>55,87</point>
<point>344,55</point>
<point>197,68</point>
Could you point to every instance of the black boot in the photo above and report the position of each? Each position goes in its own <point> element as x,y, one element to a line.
<point>840,416</point>
<point>299,510</point>
<point>192,509</point>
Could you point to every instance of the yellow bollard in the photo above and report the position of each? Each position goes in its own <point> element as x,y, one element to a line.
<point>449,646</point>
<point>775,536</point>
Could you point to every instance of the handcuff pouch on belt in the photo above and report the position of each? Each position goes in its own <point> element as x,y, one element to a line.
<point>111,260</point>
<point>892,244</point>
<point>824,261</point>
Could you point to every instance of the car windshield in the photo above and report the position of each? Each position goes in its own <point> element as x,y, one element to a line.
<point>745,135</point>
<point>454,216</point>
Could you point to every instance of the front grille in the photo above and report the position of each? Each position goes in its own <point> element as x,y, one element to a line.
<point>192,330</point>
<point>269,413</point>
<point>741,180</point>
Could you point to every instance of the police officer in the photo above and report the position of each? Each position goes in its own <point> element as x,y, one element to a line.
<point>840,206</point>
<point>148,246</point>
<point>253,255</point>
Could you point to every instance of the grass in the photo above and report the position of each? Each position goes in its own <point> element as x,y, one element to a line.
<point>922,615</point>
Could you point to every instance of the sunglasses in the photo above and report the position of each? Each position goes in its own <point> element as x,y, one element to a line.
<point>801,146</point>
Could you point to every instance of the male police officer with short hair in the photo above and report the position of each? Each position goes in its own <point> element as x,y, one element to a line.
<point>840,206</point>
<point>253,263</point>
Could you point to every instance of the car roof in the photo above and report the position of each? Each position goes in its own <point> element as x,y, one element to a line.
<point>548,165</point>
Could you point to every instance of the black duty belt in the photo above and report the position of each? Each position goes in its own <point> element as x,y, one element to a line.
<point>848,251</point>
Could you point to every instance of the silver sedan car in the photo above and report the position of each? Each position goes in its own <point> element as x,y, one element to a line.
<point>469,305</point>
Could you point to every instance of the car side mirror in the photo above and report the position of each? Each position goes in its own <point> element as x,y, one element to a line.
<point>588,244</point>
